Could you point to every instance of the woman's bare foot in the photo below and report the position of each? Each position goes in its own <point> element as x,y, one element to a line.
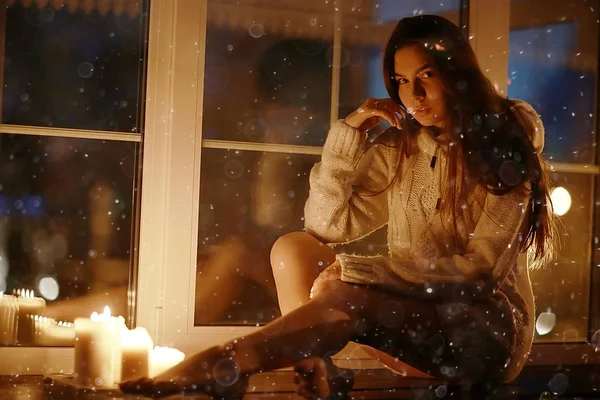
<point>212,372</point>
<point>318,379</point>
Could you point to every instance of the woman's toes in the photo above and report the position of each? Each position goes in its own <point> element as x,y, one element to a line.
<point>306,392</point>
<point>312,378</point>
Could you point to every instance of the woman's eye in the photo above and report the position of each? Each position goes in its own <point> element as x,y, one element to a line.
<point>401,80</point>
<point>426,74</point>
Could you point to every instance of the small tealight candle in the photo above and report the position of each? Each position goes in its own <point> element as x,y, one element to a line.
<point>60,334</point>
<point>98,350</point>
<point>9,314</point>
<point>135,345</point>
<point>164,358</point>
<point>28,305</point>
<point>48,332</point>
<point>39,323</point>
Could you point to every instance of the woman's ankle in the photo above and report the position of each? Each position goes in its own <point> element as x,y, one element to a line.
<point>243,358</point>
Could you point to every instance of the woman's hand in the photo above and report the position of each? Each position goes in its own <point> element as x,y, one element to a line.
<point>330,275</point>
<point>372,111</point>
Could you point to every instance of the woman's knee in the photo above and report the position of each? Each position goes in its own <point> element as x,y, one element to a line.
<point>300,248</point>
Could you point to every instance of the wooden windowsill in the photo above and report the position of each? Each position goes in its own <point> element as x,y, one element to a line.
<point>370,384</point>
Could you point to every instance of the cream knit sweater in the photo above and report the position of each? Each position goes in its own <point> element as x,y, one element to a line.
<point>483,280</point>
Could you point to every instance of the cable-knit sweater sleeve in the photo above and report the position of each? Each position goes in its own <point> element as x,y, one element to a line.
<point>338,209</point>
<point>490,255</point>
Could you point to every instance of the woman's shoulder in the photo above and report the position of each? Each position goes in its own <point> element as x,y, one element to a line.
<point>530,120</point>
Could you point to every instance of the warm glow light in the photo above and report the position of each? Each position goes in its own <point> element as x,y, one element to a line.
<point>105,316</point>
<point>48,287</point>
<point>25,294</point>
<point>561,200</point>
<point>137,337</point>
<point>163,358</point>
<point>545,323</point>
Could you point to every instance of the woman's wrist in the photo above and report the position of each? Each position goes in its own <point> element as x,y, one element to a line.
<point>352,121</point>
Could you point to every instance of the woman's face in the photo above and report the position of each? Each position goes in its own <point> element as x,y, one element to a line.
<point>420,87</point>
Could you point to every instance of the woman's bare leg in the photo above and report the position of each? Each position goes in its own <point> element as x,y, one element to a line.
<point>340,313</point>
<point>297,259</point>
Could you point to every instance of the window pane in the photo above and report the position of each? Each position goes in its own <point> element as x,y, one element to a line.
<point>557,55</point>
<point>553,64</point>
<point>75,66</point>
<point>267,71</point>
<point>248,200</point>
<point>563,288</point>
<point>66,224</point>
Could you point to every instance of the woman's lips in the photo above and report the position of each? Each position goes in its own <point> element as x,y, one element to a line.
<point>421,111</point>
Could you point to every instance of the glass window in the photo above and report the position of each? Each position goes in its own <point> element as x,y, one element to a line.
<point>563,287</point>
<point>248,200</point>
<point>553,64</point>
<point>541,62</point>
<point>272,67</point>
<point>276,73</point>
<point>74,65</point>
<point>68,196</point>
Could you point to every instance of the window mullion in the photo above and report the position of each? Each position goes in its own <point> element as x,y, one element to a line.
<point>336,62</point>
<point>489,27</point>
<point>2,46</point>
<point>167,233</point>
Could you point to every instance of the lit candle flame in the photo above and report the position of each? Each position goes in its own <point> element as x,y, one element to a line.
<point>105,316</point>
<point>26,294</point>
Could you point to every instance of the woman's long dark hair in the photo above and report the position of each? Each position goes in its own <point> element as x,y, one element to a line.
<point>495,149</point>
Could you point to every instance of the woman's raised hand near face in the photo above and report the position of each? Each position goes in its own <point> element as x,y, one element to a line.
<point>372,111</point>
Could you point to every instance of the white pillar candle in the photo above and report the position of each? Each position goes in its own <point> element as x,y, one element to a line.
<point>164,358</point>
<point>8,319</point>
<point>135,347</point>
<point>98,350</point>
<point>28,305</point>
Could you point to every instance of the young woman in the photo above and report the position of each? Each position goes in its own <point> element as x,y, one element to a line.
<point>461,185</point>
